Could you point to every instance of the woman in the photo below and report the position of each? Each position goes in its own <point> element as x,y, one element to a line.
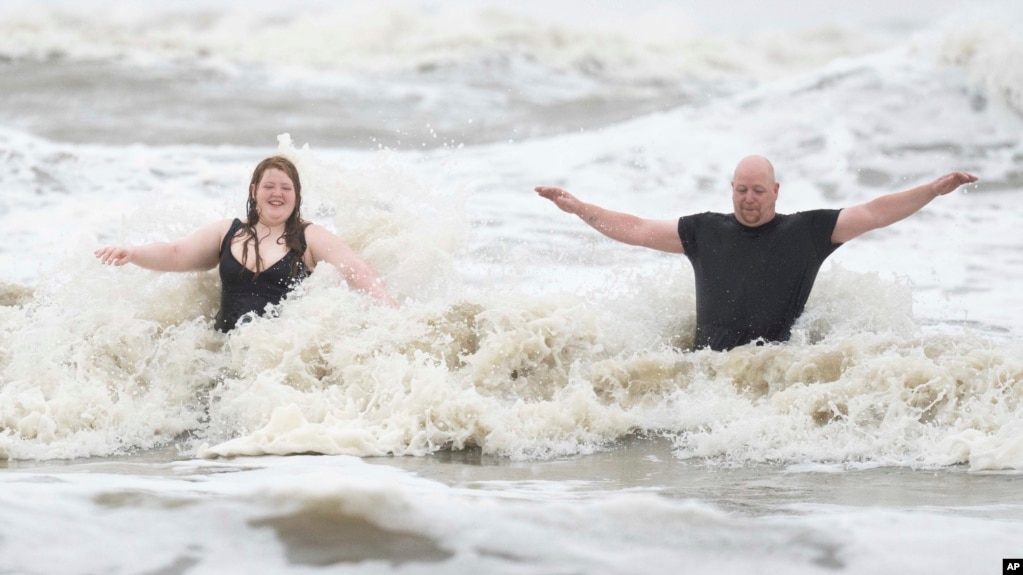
<point>273,232</point>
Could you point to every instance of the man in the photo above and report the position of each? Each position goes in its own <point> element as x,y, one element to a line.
<point>754,268</point>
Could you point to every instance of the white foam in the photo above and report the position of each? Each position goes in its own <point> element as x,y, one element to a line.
<point>521,370</point>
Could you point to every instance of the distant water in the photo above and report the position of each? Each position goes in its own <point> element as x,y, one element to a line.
<point>534,406</point>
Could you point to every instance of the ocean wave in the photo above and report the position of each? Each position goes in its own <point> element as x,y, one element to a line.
<point>415,74</point>
<point>518,376</point>
<point>990,51</point>
<point>97,361</point>
<point>485,41</point>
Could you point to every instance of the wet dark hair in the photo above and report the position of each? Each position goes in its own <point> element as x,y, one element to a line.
<point>293,236</point>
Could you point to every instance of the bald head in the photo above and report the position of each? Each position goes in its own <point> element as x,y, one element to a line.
<point>754,191</point>
<point>757,167</point>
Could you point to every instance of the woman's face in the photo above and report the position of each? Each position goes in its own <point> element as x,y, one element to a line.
<point>275,197</point>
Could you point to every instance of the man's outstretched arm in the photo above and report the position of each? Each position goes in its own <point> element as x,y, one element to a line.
<point>626,228</point>
<point>886,210</point>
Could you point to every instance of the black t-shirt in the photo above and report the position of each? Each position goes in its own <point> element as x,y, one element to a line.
<point>753,283</point>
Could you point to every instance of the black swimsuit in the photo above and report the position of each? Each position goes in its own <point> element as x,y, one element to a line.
<point>243,292</point>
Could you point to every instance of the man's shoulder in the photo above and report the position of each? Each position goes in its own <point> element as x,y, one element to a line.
<point>708,217</point>
<point>712,215</point>
<point>825,216</point>
<point>817,223</point>
<point>703,220</point>
<point>815,213</point>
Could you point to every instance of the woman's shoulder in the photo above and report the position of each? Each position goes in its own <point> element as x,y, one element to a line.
<point>314,230</point>
<point>318,237</point>
<point>219,226</point>
<point>217,231</point>
<point>223,226</point>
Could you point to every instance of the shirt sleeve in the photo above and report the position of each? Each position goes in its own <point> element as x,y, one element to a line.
<point>687,226</point>
<point>822,226</point>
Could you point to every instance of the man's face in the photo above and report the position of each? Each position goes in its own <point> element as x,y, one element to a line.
<point>754,193</point>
